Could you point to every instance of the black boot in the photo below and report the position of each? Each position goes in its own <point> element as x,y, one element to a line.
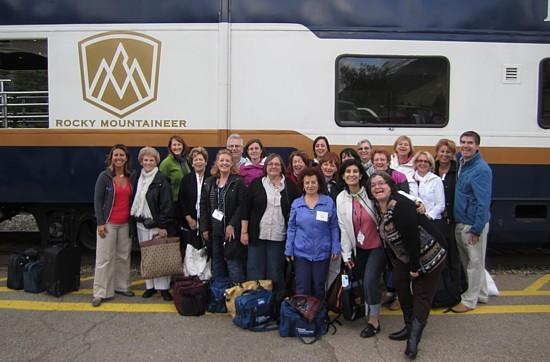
<point>414,338</point>
<point>404,333</point>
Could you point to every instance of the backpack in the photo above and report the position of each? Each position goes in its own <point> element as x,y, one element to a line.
<point>352,297</point>
<point>216,295</point>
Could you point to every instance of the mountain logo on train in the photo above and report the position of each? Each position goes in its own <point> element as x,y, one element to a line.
<point>119,71</point>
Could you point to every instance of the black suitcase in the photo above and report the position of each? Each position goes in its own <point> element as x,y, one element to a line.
<point>61,269</point>
<point>16,267</point>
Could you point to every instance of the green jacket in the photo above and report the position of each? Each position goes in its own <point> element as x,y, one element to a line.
<point>172,168</point>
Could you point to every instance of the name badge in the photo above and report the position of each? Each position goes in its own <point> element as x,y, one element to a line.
<point>218,215</point>
<point>360,238</point>
<point>322,216</point>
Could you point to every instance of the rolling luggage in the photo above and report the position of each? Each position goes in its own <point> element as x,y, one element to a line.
<point>61,269</point>
<point>32,276</point>
<point>190,295</point>
<point>16,267</point>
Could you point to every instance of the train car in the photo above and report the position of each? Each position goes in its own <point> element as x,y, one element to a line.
<point>77,77</point>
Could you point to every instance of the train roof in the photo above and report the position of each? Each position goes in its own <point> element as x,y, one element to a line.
<point>466,20</point>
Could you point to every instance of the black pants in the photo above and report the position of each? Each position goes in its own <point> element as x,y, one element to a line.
<point>423,290</point>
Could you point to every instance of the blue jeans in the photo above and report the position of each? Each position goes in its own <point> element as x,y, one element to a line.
<point>372,263</point>
<point>223,268</point>
<point>266,260</point>
<point>311,276</point>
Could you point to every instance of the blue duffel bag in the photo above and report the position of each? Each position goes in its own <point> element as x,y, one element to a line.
<point>292,324</point>
<point>255,309</point>
<point>216,295</point>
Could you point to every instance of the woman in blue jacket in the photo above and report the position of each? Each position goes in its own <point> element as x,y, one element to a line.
<point>312,235</point>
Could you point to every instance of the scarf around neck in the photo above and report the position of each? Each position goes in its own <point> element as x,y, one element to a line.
<point>140,206</point>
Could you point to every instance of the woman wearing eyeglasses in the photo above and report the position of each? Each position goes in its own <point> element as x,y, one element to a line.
<point>398,227</point>
<point>364,149</point>
<point>265,219</point>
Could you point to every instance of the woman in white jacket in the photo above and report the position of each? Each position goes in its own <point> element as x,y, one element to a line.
<point>360,243</point>
<point>430,186</point>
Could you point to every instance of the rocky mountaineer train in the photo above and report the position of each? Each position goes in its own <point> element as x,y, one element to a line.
<point>78,76</point>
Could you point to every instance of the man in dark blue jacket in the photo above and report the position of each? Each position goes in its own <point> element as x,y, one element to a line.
<point>472,215</point>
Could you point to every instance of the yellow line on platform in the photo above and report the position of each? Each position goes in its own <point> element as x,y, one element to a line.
<point>87,307</point>
<point>539,283</point>
<point>108,306</point>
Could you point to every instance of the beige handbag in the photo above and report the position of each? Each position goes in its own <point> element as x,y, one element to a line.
<point>160,257</point>
<point>237,290</point>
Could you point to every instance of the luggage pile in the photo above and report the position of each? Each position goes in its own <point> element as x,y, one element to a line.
<point>58,273</point>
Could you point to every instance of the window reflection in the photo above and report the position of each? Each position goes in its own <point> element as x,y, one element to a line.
<point>392,91</point>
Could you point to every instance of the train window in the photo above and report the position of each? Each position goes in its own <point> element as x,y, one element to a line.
<point>24,83</point>
<point>392,91</point>
<point>544,94</point>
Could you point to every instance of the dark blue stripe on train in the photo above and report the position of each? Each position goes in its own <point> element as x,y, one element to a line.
<point>65,174</point>
<point>466,20</point>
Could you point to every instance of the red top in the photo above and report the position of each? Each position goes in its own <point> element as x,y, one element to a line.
<point>362,221</point>
<point>120,214</point>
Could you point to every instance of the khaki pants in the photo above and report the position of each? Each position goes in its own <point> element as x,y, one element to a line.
<point>473,262</point>
<point>112,261</point>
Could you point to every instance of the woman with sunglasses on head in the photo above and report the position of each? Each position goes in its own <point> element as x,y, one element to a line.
<point>416,283</point>
<point>361,246</point>
<point>265,218</point>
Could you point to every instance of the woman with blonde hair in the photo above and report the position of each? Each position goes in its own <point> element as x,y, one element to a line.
<point>222,199</point>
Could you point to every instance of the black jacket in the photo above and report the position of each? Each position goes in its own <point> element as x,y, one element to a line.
<point>159,200</point>
<point>449,183</point>
<point>188,198</point>
<point>233,201</point>
<point>256,203</point>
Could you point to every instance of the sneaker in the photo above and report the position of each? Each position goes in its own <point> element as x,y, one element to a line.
<point>370,331</point>
<point>96,302</point>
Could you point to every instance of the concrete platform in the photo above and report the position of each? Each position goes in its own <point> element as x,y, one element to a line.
<point>511,327</point>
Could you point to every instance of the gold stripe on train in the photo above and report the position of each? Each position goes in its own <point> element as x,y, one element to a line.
<point>217,138</point>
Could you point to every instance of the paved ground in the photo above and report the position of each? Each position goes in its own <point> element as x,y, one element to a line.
<point>512,327</point>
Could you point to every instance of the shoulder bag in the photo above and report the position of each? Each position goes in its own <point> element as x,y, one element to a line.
<point>160,257</point>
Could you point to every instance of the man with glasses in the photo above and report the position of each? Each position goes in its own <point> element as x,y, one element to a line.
<point>472,215</point>
<point>235,145</point>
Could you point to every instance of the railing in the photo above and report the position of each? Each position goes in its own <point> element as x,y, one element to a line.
<point>23,109</point>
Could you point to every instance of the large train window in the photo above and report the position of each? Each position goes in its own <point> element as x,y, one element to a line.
<point>392,91</point>
<point>23,83</point>
<point>544,95</point>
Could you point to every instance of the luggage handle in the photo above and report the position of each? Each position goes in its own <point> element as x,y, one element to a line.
<point>316,337</point>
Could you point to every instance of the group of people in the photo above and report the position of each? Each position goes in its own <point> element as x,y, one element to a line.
<point>392,217</point>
